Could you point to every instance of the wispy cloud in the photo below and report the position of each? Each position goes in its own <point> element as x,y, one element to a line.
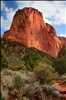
<point>9,13</point>
<point>2,5</point>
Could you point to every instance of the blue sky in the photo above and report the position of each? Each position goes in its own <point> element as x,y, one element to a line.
<point>54,13</point>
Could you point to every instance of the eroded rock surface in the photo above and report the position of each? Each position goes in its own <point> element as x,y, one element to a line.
<point>29,28</point>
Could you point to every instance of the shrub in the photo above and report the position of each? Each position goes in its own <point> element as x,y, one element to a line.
<point>14,68</point>
<point>22,66</point>
<point>45,73</point>
<point>17,82</point>
<point>30,60</point>
<point>1,96</point>
<point>47,61</point>
<point>4,61</point>
<point>17,68</point>
<point>28,67</point>
<point>7,81</point>
<point>60,66</point>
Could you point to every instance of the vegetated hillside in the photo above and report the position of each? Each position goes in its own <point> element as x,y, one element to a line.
<point>60,62</point>
<point>29,72</point>
<point>17,53</point>
<point>20,56</point>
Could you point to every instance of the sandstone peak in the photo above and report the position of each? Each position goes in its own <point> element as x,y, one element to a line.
<point>28,10</point>
<point>29,28</point>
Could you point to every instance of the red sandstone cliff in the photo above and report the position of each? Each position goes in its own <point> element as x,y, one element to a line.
<point>29,28</point>
<point>63,40</point>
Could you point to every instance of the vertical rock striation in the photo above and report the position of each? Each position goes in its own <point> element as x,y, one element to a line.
<point>29,28</point>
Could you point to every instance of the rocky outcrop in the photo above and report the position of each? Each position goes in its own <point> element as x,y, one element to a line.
<point>29,28</point>
<point>61,86</point>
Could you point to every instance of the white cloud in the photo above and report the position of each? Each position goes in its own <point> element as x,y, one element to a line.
<point>54,12</point>
<point>63,35</point>
<point>6,20</point>
<point>6,23</point>
<point>2,5</point>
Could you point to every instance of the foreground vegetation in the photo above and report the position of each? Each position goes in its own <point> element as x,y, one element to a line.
<point>25,85</point>
<point>24,68</point>
<point>16,56</point>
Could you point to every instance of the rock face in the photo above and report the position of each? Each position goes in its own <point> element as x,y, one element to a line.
<point>29,28</point>
<point>63,40</point>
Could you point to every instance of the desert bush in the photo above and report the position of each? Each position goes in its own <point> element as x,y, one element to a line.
<point>56,94</point>
<point>1,96</point>
<point>45,73</point>
<point>17,82</point>
<point>14,68</point>
<point>22,66</point>
<point>7,81</point>
<point>6,71</point>
<point>30,60</point>
<point>46,60</point>
<point>28,67</point>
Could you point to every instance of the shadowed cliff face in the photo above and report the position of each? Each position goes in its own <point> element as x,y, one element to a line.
<point>29,28</point>
<point>63,40</point>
